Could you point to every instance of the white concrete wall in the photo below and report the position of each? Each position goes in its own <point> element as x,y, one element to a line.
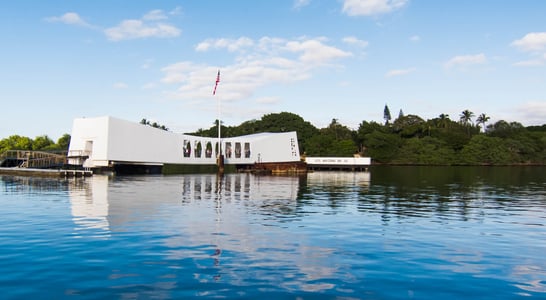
<point>93,130</point>
<point>278,147</point>
<point>134,142</point>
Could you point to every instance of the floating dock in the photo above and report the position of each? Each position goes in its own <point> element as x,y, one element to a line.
<point>45,172</point>
<point>338,163</point>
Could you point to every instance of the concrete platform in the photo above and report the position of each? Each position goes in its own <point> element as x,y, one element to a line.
<point>45,172</point>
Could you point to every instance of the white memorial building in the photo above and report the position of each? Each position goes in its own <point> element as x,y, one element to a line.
<point>105,142</point>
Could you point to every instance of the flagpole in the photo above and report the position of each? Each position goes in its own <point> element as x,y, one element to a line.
<point>219,125</point>
<point>220,158</point>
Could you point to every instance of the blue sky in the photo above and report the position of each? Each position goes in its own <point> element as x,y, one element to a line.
<point>342,59</point>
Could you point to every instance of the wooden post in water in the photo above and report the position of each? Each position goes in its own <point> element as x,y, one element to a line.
<point>220,163</point>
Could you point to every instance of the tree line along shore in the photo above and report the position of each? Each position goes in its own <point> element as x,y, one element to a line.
<point>404,140</point>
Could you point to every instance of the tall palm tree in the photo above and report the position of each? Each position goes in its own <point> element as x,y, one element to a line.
<point>466,119</point>
<point>482,119</point>
<point>444,120</point>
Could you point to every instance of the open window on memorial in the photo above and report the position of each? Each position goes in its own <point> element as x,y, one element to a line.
<point>208,150</point>
<point>228,150</point>
<point>237,150</point>
<point>198,149</point>
<point>247,150</point>
<point>187,148</point>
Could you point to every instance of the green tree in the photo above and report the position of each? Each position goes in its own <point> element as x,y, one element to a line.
<point>334,140</point>
<point>456,138</point>
<point>444,120</point>
<point>482,119</point>
<point>387,114</point>
<point>409,126</point>
<point>424,151</point>
<point>16,142</point>
<point>381,146</point>
<point>42,142</point>
<point>320,145</point>
<point>504,129</point>
<point>466,117</point>
<point>153,124</point>
<point>340,132</point>
<point>486,150</point>
<point>63,142</point>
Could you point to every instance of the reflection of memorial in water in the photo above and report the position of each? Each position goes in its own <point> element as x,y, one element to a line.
<point>89,203</point>
<point>239,187</point>
<point>218,226</point>
<point>247,218</point>
<point>109,204</point>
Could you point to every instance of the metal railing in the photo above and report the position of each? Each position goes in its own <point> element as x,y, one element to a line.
<point>33,159</point>
<point>79,153</point>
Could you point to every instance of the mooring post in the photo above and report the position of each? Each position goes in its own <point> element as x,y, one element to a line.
<point>220,163</point>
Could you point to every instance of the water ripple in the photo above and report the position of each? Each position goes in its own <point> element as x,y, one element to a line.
<point>384,235</point>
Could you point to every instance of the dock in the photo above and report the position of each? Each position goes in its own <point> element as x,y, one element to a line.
<point>59,173</point>
<point>338,163</point>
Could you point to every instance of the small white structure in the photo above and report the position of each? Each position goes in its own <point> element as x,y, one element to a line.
<point>107,141</point>
<point>342,163</point>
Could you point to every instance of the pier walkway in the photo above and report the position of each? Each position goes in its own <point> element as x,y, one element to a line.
<point>37,163</point>
<point>32,159</point>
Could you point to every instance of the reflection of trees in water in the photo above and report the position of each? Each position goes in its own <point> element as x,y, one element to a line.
<point>448,192</point>
<point>414,191</point>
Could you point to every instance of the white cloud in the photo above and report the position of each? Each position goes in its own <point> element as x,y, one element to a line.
<point>415,38</point>
<point>531,42</point>
<point>268,100</point>
<point>530,63</point>
<point>229,44</point>
<point>399,72</point>
<point>177,73</point>
<point>532,112</point>
<point>146,27</point>
<point>256,63</point>
<point>134,29</point>
<point>176,11</point>
<point>301,3</point>
<point>371,7</point>
<point>120,85</point>
<point>315,52</point>
<point>149,86</point>
<point>147,64</point>
<point>466,60</point>
<point>154,15</point>
<point>70,18</point>
<point>351,40</point>
<point>309,50</point>
<point>535,44</point>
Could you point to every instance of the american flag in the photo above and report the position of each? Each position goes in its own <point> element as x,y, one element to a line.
<point>217,81</point>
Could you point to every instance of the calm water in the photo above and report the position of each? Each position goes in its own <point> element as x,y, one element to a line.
<point>392,233</point>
